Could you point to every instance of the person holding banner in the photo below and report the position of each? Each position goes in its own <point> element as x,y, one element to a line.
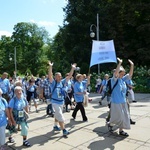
<point>119,110</point>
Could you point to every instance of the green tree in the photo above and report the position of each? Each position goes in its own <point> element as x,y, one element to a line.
<point>30,40</point>
<point>126,22</point>
<point>6,49</point>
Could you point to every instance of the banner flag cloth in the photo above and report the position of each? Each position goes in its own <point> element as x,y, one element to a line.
<point>103,52</point>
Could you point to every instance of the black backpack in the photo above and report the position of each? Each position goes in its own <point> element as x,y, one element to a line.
<point>108,87</point>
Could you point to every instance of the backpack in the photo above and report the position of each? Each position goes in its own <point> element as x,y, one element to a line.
<point>108,87</point>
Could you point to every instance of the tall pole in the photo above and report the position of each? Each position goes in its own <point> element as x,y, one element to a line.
<point>15,62</point>
<point>97,29</point>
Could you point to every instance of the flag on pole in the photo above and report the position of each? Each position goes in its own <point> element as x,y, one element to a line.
<point>103,52</point>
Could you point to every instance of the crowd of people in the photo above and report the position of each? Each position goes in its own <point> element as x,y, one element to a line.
<point>16,95</point>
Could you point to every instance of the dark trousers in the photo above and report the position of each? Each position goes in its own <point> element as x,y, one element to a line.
<point>68,100</point>
<point>49,109</point>
<point>79,106</point>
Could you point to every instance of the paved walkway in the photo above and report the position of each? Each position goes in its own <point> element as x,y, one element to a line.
<point>91,135</point>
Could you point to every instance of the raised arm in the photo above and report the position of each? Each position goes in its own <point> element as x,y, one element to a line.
<point>131,68</point>
<point>50,73</point>
<point>118,67</point>
<point>73,67</point>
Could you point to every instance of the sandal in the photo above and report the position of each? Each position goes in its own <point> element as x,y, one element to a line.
<point>26,143</point>
<point>123,133</point>
<point>11,140</point>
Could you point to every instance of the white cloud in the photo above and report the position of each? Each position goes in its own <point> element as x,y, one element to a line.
<point>47,23</point>
<point>5,33</point>
<point>44,23</point>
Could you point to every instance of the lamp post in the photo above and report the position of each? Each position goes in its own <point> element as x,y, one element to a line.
<point>15,62</point>
<point>92,34</point>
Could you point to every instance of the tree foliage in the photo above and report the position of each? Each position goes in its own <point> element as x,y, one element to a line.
<point>32,44</point>
<point>126,22</point>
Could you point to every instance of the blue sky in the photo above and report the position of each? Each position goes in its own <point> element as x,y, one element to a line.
<point>45,13</point>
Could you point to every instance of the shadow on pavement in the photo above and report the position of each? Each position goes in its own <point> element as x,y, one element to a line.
<point>107,140</point>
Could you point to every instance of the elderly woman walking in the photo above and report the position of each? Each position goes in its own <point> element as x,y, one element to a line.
<point>4,114</point>
<point>119,110</point>
<point>18,105</point>
<point>79,92</point>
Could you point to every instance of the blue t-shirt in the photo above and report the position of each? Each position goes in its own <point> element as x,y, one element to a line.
<point>18,104</point>
<point>79,87</point>
<point>104,84</point>
<point>69,85</point>
<point>4,85</point>
<point>3,107</point>
<point>59,91</point>
<point>84,82</point>
<point>119,92</point>
<point>129,82</point>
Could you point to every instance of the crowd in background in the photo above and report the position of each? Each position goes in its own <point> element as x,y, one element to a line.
<point>68,93</point>
<point>18,96</point>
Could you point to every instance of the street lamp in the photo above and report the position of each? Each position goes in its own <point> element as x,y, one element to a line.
<point>15,62</point>
<point>92,35</point>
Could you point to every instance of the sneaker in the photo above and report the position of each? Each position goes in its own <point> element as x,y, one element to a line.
<point>134,101</point>
<point>56,128</point>
<point>11,140</point>
<point>65,132</point>
<point>37,111</point>
<point>26,143</point>
<point>100,102</point>
<point>132,122</point>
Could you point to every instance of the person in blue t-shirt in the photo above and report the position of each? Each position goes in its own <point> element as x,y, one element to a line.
<point>103,89</point>
<point>58,88</point>
<point>119,109</point>
<point>32,94</point>
<point>80,88</point>
<point>69,94</point>
<point>5,86</point>
<point>4,114</point>
<point>130,86</point>
<point>17,105</point>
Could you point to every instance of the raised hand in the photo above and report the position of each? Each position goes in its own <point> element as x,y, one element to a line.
<point>74,65</point>
<point>131,63</point>
<point>120,60</point>
<point>50,63</point>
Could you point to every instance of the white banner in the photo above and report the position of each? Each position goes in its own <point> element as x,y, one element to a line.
<point>103,52</point>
